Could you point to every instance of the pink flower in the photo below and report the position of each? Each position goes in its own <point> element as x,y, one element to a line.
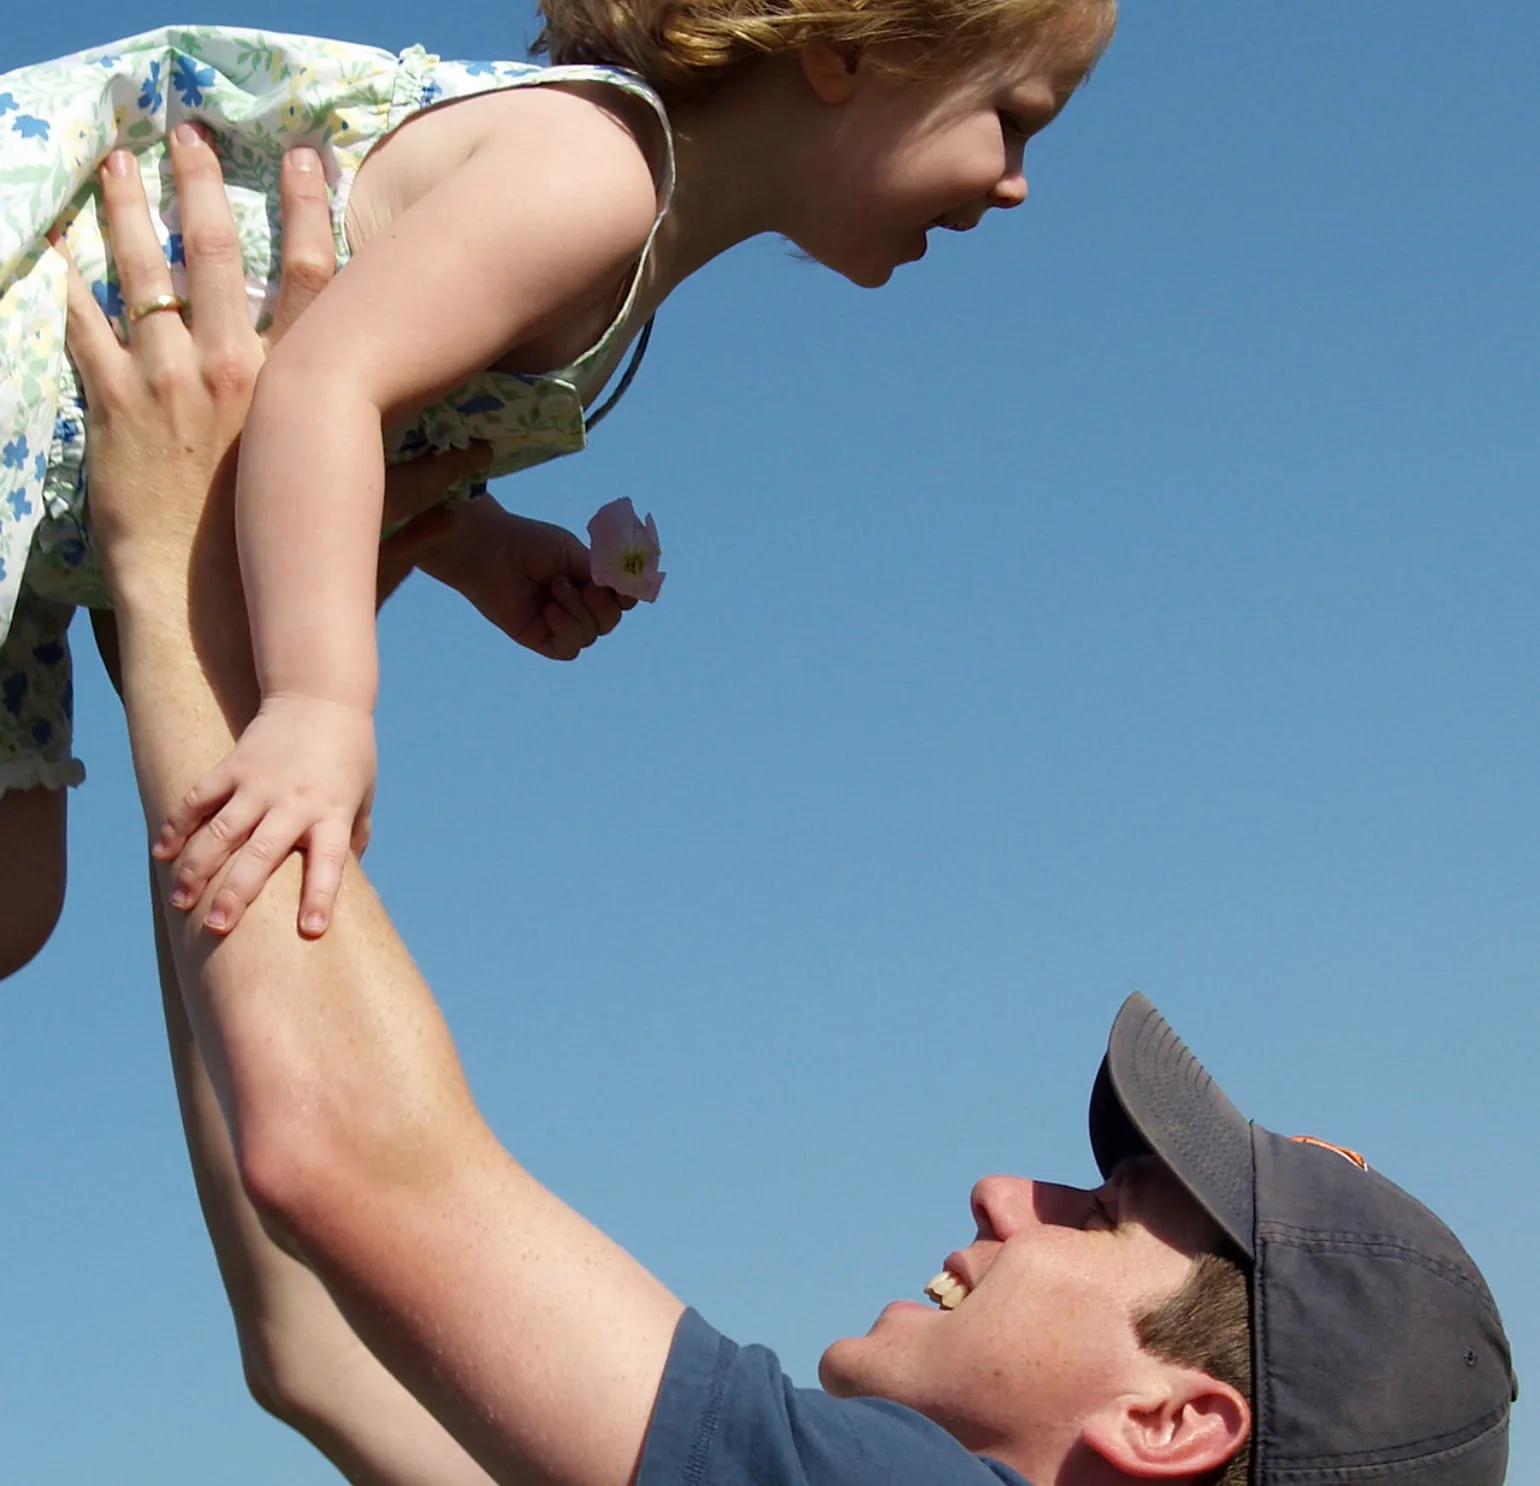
<point>625,550</point>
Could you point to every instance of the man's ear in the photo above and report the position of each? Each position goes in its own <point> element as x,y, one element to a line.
<point>829,70</point>
<point>1193,1425</point>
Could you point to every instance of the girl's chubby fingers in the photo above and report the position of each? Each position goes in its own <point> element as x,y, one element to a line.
<point>605,605</point>
<point>266,848</point>
<point>325,858</point>
<point>309,252</point>
<point>210,847</point>
<point>572,626</point>
<point>190,812</point>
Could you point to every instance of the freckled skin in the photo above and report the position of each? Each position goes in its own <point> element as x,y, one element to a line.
<point>1046,1336</point>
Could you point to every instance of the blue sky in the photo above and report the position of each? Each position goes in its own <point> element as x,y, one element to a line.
<point>1137,594</point>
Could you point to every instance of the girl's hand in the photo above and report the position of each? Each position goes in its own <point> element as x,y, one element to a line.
<point>302,776</point>
<point>529,578</point>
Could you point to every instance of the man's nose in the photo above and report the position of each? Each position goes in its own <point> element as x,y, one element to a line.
<point>1004,1205</point>
<point>1001,1204</point>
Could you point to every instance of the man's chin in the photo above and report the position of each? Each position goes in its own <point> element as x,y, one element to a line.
<point>840,1369</point>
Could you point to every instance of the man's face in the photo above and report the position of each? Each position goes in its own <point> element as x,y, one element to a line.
<point>1045,1334</point>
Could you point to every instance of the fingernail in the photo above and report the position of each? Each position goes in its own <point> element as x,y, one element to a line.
<point>118,162</point>
<point>304,158</point>
<point>182,898</point>
<point>218,920</point>
<point>315,923</point>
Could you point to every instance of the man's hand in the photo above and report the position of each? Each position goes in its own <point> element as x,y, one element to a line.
<point>164,413</point>
<point>529,578</point>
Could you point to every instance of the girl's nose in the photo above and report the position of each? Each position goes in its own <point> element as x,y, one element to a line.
<point>1009,190</point>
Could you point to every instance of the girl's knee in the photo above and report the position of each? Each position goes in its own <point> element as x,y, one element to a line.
<point>32,872</point>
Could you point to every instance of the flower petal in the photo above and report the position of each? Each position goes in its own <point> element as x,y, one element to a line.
<point>625,551</point>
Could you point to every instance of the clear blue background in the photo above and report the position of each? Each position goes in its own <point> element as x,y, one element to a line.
<point>1137,594</point>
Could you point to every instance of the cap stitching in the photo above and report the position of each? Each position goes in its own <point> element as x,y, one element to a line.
<point>1429,1447</point>
<point>1330,1470</point>
<point>1384,1246</point>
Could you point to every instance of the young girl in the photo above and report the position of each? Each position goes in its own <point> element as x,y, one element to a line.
<point>508,230</point>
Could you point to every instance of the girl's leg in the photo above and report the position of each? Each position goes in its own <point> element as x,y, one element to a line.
<point>32,871</point>
<point>35,767</point>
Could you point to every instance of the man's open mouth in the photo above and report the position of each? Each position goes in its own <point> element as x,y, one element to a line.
<point>947,1290</point>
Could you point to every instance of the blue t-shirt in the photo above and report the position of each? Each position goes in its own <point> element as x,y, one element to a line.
<point>728,1416</point>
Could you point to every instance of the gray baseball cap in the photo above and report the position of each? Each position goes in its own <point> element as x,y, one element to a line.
<point>1378,1355</point>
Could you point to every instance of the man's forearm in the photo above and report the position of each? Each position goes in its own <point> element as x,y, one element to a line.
<point>355,1133</point>
<point>188,690</point>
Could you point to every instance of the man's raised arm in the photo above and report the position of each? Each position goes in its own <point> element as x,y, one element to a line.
<point>536,1340</point>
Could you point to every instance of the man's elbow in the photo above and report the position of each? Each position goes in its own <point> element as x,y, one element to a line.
<point>282,1159</point>
<point>315,1163</point>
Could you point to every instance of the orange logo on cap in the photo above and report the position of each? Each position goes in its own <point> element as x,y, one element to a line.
<point>1326,1145</point>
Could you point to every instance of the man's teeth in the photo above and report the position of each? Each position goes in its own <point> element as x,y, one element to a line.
<point>946,1290</point>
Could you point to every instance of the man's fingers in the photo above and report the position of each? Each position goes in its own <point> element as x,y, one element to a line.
<point>215,278</point>
<point>93,343</point>
<point>420,484</point>
<point>309,254</point>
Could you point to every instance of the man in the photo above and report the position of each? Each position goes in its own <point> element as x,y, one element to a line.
<point>1227,1306</point>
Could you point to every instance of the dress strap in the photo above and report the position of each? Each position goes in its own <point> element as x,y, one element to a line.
<point>592,420</point>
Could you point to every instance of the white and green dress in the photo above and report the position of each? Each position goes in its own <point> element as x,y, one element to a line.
<point>260,94</point>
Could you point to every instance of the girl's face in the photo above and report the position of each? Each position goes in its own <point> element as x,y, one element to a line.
<point>909,155</point>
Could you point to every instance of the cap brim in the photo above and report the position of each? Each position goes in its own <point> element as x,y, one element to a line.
<point>1152,1096</point>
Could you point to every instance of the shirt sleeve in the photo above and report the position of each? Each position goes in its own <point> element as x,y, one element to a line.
<point>728,1416</point>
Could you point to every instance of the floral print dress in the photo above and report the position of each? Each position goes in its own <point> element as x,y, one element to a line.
<point>260,94</point>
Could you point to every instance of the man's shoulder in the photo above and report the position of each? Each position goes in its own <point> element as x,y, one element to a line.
<point>728,1416</point>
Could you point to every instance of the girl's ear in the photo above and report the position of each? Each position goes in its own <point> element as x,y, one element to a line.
<point>830,71</point>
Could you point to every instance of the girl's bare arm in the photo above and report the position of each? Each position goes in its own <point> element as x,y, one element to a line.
<point>545,213</point>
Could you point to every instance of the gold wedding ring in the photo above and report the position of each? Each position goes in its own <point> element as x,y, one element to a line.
<point>153,306</point>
